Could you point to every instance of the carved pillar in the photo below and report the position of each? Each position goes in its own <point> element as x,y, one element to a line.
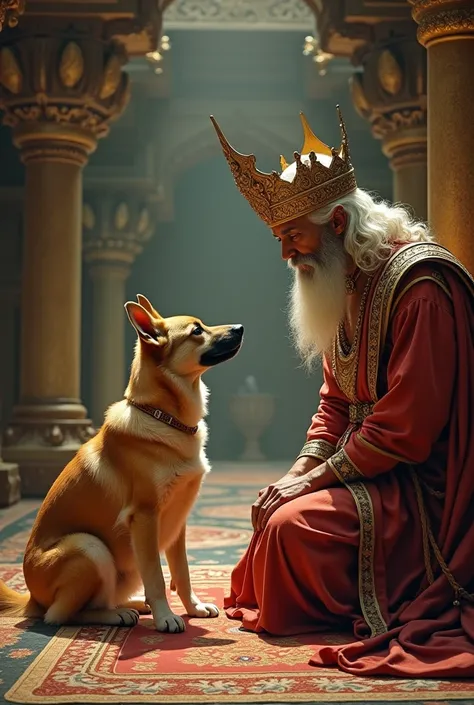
<point>59,94</point>
<point>116,226</point>
<point>446,29</point>
<point>390,93</point>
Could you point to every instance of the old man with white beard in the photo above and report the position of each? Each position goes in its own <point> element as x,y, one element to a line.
<point>370,532</point>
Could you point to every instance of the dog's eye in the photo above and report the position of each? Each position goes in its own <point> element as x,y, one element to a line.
<point>197,330</point>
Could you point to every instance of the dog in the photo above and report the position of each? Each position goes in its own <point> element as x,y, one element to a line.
<point>125,497</point>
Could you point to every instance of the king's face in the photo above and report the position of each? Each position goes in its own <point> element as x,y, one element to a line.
<point>302,237</point>
<point>298,237</point>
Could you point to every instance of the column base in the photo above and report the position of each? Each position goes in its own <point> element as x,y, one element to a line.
<point>10,490</point>
<point>42,439</point>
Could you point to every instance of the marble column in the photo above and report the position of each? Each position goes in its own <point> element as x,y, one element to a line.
<point>58,93</point>
<point>446,29</point>
<point>390,92</point>
<point>116,226</point>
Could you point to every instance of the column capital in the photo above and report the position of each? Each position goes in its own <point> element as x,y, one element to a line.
<point>116,224</point>
<point>349,29</point>
<point>60,93</point>
<point>438,20</point>
<point>390,93</point>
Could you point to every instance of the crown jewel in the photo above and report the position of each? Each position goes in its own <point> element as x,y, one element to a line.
<point>323,174</point>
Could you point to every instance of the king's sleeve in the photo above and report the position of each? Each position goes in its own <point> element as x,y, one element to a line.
<point>330,421</point>
<point>409,418</point>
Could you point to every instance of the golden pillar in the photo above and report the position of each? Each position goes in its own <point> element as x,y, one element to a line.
<point>446,29</point>
<point>116,226</point>
<point>390,92</point>
<point>59,94</point>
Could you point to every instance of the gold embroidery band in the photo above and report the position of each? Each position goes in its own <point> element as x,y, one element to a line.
<point>317,449</point>
<point>359,412</point>
<point>350,476</point>
<point>380,311</point>
<point>343,467</point>
<point>367,592</point>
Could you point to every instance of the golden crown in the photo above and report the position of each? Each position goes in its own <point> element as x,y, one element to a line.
<point>323,174</point>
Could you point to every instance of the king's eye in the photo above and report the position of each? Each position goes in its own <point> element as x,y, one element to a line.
<point>197,330</point>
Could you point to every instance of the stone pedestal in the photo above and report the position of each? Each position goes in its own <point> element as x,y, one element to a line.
<point>117,224</point>
<point>57,110</point>
<point>10,492</point>
<point>446,29</point>
<point>390,92</point>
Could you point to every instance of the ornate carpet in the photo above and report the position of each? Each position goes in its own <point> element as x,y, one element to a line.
<point>212,662</point>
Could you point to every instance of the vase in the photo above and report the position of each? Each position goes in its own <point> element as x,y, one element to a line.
<point>252,414</point>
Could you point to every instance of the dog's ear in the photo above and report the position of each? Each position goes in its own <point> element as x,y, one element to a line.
<point>147,305</point>
<point>150,329</point>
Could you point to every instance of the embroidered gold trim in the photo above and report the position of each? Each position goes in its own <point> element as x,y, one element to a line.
<point>379,450</point>
<point>344,438</point>
<point>317,449</point>
<point>345,356</point>
<point>343,467</point>
<point>367,592</point>
<point>437,279</point>
<point>350,475</point>
<point>358,412</point>
<point>396,267</point>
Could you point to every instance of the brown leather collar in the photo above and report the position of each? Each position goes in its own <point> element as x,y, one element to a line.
<point>162,416</point>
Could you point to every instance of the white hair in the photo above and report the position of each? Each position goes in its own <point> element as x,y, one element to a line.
<point>373,227</point>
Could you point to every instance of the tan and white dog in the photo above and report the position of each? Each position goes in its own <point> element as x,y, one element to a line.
<point>126,495</point>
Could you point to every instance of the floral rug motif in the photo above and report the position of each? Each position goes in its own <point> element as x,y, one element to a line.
<point>213,662</point>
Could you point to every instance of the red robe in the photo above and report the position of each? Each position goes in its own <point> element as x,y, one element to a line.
<point>399,435</point>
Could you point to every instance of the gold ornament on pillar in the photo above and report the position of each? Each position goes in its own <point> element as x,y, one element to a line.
<point>11,77</point>
<point>10,11</point>
<point>390,93</point>
<point>389,73</point>
<point>439,20</point>
<point>60,89</point>
<point>71,65</point>
<point>116,226</point>
<point>391,90</point>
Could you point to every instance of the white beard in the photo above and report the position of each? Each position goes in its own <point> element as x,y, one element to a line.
<point>317,299</point>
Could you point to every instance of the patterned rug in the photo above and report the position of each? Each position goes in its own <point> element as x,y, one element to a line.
<point>212,662</point>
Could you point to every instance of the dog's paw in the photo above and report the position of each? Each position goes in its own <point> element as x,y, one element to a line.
<point>171,623</point>
<point>127,617</point>
<point>203,609</point>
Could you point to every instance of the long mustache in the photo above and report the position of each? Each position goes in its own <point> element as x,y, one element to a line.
<point>321,259</point>
<point>300,260</point>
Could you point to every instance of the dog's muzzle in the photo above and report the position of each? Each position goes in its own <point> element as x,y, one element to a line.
<point>224,348</point>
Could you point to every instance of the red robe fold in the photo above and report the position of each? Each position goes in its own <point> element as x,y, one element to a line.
<point>302,573</point>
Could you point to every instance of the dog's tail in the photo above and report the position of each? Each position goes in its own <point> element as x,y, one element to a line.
<point>16,604</point>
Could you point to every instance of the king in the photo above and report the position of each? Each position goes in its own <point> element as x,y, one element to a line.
<point>370,532</point>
